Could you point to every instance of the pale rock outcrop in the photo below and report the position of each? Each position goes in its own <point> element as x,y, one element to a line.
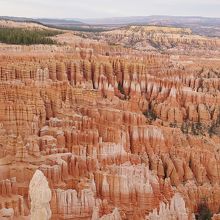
<point>40,196</point>
<point>176,209</point>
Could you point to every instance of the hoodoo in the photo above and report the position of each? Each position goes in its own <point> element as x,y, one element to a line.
<point>122,124</point>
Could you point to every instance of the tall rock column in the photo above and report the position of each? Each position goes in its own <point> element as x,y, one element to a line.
<point>40,195</point>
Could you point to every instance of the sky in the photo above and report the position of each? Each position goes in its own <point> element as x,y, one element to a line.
<point>108,8</point>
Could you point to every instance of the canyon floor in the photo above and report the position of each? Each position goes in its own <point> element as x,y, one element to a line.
<point>124,124</point>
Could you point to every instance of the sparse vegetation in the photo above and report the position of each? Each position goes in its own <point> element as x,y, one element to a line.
<point>150,115</point>
<point>26,37</point>
<point>173,124</point>
<point>214,129</point>
<point>121,89</point>
<point>204,212</point>
<point>195,128</point>
<point>80,28</point>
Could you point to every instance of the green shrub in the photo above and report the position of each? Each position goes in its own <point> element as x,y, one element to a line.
<point>204,212</point>
<point>173,124</point>
<point>150,114</point>
<point>195,128</point>
<point>26,37</point>
<point>121,89</point>
<point>213,130</point>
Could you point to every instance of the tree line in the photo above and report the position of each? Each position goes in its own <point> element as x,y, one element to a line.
<point>27,36</point>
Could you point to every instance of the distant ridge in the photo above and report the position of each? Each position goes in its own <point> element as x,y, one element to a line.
<point>150,19</point>
<point>199,25</point>
<point>44,21</point>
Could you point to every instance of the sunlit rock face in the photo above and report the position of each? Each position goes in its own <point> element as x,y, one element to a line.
<point>90,130</point>
<point>175,210</point>
<point>40,196</point>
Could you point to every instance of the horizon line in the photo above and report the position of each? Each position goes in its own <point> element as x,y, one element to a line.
<point>113,17</point>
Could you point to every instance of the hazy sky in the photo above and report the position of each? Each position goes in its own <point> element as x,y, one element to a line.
<point>108,8</point>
